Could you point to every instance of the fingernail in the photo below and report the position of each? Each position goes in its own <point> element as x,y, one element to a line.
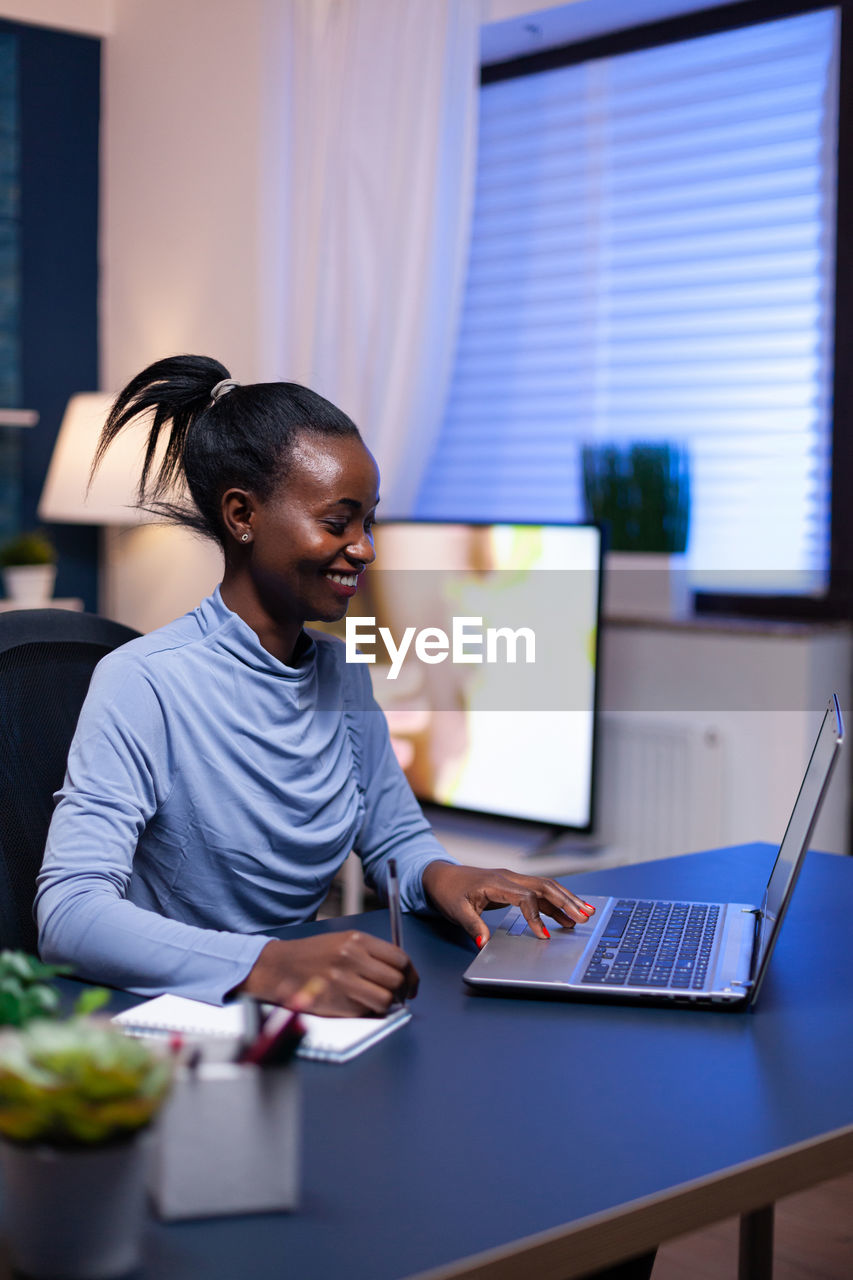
<point>545,931</point>
<point>479,940</point>
<point>585,914</point>
<point>589,906</point>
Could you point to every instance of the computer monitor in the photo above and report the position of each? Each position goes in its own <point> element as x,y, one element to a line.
<point>483,644</point>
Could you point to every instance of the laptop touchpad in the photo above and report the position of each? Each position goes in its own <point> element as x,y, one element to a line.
<point>515,955</point>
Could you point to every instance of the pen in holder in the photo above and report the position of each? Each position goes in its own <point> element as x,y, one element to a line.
<point>228,1141</point>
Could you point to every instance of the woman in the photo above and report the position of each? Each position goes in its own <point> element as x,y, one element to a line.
<point>224,765</point>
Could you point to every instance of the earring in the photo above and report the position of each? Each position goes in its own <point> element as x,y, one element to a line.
<point>245,537</point>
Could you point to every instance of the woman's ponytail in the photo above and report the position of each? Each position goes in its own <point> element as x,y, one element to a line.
<point>174,391</point>
<point>218,434</point>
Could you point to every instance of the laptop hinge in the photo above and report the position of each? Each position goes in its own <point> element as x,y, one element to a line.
<point>758,914</point>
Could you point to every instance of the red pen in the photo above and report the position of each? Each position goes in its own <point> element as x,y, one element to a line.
<point>281,1032</point>
<point>277,1040</point>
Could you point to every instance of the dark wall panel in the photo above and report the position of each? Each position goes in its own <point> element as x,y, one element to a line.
<point>59,99</point>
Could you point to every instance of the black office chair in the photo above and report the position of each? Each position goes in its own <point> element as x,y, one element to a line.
<point>47,657</point>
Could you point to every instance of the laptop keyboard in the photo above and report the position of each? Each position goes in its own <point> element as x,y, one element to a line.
<point>655,944</point>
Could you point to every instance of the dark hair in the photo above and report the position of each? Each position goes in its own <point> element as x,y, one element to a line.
<point>244,438</point>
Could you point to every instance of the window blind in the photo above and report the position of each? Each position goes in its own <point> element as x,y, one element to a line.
<point>653,258</point>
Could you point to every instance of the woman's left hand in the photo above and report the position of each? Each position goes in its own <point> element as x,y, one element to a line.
<point>461,893</point>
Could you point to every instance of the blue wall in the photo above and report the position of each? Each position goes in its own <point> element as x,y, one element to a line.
<point>58,119</point>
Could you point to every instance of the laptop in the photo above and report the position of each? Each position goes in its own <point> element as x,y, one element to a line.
<point>645,950</point>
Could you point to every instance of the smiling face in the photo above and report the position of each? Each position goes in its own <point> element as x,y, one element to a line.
<point>311,540</point>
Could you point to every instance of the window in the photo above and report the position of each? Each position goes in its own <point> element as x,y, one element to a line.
<point>653,258</point>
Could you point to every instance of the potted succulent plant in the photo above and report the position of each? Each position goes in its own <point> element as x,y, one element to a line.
<point>76,1099</point>
<point>26,991</point>
<point>28,562</point>
<point>640,492</point>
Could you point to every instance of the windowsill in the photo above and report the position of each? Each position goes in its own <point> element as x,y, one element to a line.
<point>718,624</point>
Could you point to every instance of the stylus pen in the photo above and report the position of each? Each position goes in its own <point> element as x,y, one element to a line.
<point>396,914</point>
<point>394,904</point>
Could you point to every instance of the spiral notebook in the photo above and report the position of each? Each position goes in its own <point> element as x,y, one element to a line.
<point>326,1039</point>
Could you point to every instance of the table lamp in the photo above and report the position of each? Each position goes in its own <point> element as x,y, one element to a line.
<point>111,498</point>
<point>149,572</point>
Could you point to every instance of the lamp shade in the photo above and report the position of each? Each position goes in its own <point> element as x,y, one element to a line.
<point>112,496</point>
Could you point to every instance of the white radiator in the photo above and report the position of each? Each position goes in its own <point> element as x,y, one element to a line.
<point>661,784</point>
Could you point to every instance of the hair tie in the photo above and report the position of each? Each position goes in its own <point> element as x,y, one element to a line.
<point>222,388</point>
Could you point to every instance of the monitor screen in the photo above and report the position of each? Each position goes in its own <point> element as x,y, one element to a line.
<point>483,645</point>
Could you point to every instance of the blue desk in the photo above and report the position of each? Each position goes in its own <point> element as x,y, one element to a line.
<point>510,1137</point>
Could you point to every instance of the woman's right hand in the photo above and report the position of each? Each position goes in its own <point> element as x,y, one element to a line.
<point>359,974</point>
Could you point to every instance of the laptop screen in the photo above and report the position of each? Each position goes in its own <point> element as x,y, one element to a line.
<point>798,833</point>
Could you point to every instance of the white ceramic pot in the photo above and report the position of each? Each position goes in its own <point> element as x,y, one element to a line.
<point>75,1214</point>
<point>641,585</point>
<point>30,584</point>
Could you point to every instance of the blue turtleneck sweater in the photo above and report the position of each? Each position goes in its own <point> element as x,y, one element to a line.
<point>211,794</point>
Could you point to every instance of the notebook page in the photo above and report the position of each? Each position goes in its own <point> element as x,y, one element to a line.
<point>326,1039</point>
<point>339,1039</point>
<point>189,1017</point>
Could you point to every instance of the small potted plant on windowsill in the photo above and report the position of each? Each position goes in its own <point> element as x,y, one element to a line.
<point>640,492</point>
<point>76,1099</point>
<point>28,562</point>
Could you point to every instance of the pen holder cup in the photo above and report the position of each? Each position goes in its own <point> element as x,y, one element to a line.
<point>228,1142</point>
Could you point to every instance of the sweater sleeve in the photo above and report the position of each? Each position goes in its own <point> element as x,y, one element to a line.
<point>119,772</point>
<point>394,824</point>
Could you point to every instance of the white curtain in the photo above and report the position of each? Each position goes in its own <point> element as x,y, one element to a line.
<point>380,154</point>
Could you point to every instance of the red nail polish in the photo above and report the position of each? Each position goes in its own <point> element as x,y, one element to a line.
<point>589,905</point>
<point>479,940</point>
<point>585,914</point>
<point>547,934</point>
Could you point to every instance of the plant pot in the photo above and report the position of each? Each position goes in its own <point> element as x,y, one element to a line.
<point>30,584</point>
<point>645,585</point>
<point>75,1214</point>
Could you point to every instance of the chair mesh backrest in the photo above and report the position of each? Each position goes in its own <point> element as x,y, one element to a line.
<point>47,657</point>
